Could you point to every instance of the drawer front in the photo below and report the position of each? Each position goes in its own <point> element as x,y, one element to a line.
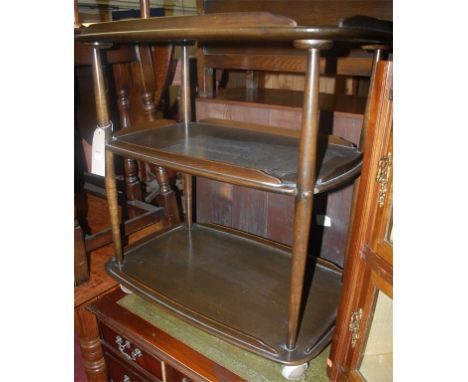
<point>131,352</point>
<point>119,372</point>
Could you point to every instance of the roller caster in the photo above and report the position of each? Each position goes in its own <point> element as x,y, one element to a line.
<point>125,290</point>
<point>294,372</point>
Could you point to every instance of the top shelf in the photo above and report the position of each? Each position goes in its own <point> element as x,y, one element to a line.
<point>234,27</point>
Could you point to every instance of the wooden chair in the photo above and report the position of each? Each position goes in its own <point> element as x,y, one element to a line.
<point>141,74</point>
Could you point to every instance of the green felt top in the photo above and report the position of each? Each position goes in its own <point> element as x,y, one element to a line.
<point>247,365</point>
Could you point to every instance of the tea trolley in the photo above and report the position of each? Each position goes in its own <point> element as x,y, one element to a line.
<point>268,298</point>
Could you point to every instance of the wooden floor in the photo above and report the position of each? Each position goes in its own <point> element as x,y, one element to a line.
<point>100,282</point>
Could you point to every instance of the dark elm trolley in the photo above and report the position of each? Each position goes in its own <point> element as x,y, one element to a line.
<point>251,291</point>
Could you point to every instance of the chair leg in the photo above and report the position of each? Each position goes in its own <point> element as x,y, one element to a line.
<point>166,196</point>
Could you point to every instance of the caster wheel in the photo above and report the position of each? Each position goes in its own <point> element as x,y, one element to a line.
<point>294,372</point>
<point>125,290</point>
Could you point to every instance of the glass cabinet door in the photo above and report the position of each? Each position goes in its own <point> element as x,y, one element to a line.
<point>377,356</point>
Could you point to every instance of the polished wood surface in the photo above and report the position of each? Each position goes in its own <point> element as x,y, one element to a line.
<point>178,359</point>
<point>224,27</point>
<point>212,276</point>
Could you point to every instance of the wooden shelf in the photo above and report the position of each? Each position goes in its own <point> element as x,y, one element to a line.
<point>225,27</point>
<point>233,285</point>
<point>249,155</point>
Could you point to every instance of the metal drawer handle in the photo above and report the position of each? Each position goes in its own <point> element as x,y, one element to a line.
<point>126,378</point>
<point>136,353</point>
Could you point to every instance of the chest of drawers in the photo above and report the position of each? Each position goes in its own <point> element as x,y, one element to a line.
<point>135,350</point>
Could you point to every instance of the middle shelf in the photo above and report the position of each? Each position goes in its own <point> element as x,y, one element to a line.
<point>244,154</point>
<point>234,285</point>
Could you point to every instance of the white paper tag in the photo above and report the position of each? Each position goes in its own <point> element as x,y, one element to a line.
<point>324,220</point>
<point>98,159</point>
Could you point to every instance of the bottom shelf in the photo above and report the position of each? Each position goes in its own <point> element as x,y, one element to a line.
<point>235,286</point>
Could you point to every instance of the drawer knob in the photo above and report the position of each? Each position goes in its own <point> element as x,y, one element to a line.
<point>136,354</point>
<point>126,378</point>
<point>123,345</point>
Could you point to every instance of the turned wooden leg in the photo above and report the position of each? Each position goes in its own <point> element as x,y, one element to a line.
<point>87,329</point>
<point>166,197</point>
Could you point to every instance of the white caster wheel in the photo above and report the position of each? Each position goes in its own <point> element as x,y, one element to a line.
<point>125,290</point>
<point>294,372</point>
